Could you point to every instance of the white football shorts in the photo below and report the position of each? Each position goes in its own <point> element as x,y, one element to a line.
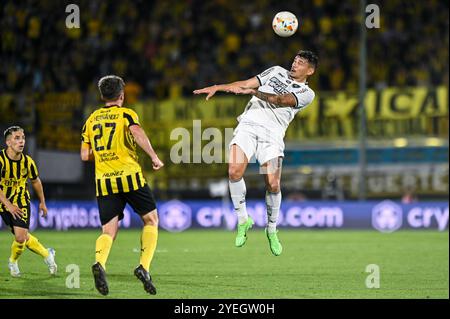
<point>258,141</point>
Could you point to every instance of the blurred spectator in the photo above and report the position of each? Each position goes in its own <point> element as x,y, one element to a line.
<point>297,197</point>
<point>172,47</point>
<point>409,196</point>
<point>333,188</point>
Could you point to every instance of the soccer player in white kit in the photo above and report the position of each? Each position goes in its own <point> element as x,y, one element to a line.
<point>277,96</point>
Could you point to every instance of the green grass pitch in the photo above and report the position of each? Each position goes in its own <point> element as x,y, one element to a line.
<point>205,264</point>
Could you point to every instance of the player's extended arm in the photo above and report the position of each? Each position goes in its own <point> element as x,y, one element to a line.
<point>143,141</point>
<point>282,100</point>
<point>39,189</point>
<point>13,209</point>
<point>233,87</point>
<point>86,152</point>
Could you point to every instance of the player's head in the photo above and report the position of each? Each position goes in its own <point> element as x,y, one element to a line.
<point>15,138</point>
<point>304,65</point>
<point>111,88</point>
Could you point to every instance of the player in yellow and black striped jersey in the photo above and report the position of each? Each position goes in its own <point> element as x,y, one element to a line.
<point>15,170</point>
<point>109,137</point>
<point>116,166</point>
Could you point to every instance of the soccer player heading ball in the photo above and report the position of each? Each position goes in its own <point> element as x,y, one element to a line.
<point>109,137</point>
<point>277,96</point>
<point>15,170</point>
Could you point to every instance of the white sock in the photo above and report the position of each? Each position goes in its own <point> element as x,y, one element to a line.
<point>273,203</point>
<point>238,192</point>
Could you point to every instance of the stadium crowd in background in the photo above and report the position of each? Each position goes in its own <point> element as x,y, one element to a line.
<point>167,48</point>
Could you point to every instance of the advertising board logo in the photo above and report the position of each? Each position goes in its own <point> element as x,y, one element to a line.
<point>175,216</point>
<point>387,216</point>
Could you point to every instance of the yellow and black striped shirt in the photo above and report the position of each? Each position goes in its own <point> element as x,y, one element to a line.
<point>14,176</point>
<point>116,161</point>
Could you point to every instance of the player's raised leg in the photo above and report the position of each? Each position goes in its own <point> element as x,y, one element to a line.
<point>102,248</point>
<point>48,254</point>
<point>273,202</point>
<point>236,167</point>
<point>149,239</point>
<point>23,239</point>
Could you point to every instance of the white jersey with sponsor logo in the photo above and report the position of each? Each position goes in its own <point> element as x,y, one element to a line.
<point>276,80</point>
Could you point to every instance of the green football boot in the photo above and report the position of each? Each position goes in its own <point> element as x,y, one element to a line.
<point>274,243</point>
<point>241,237</point>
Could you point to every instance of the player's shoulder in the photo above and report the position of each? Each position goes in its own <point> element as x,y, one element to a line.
<point>92,114</point>
<point>304,90</point>
<point>28,158</point>
<point>278,69</point>
<point>275,68</point>
<point>127,110</point>
<point>302,86</point>
<point>269,70</point>
<point>309,90</point>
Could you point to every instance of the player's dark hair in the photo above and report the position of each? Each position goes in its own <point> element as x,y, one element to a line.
<point>310,56</point>
<point>111,86</point>
<point>11,130</point>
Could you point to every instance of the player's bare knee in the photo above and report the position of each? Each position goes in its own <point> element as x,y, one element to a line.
<point>151,219</point>
<point>151,223</point>
<point>21,238</point>
<point>111,233</point>
<point>273,186</point>
<point>235,173</point>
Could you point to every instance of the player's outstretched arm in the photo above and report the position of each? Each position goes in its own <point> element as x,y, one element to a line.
<point>39,189</point>
<point>282,100</point>
<point>86,152</point>
<point>143,141</point>
<point>234,87</point>
<point>13,209</point>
